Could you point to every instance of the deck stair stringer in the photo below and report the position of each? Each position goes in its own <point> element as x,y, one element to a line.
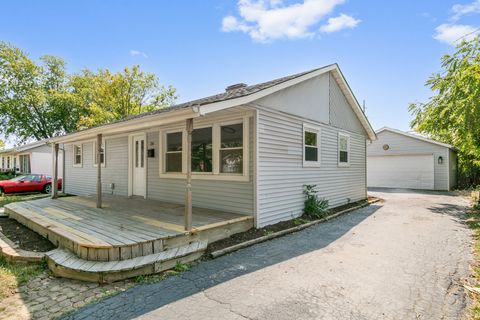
<point>65,263</point>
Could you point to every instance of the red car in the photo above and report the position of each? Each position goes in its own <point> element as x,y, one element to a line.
<point>28,183</point>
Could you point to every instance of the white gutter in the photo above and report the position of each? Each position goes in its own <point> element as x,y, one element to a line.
<point>131,125</point>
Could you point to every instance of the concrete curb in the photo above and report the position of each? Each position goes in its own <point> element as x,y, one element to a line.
<point>249,243</point>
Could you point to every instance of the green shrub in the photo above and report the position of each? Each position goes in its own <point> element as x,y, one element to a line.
<point>6,175</point>
<point>314,208</point>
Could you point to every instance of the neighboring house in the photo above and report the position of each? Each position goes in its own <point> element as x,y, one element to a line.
<point>253,149</point>
<point>399,159</point>
<point>34,157</point>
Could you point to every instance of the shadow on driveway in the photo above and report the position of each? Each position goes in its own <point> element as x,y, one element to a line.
<point>148,297</point>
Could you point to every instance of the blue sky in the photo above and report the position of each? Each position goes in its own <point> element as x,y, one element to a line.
<point>387,50</point>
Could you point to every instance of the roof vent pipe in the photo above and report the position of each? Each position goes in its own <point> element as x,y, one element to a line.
<point>235,87</point>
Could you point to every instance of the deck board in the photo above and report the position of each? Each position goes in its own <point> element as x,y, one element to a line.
<point>124,229</point>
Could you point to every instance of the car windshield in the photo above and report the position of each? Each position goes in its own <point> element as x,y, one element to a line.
<point>28,177</point>
<point>17,178</point>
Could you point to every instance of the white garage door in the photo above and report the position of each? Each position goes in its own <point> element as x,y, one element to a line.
<point>413,172</point>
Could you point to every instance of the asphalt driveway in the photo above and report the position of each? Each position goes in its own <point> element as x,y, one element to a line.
<point>403,259</point>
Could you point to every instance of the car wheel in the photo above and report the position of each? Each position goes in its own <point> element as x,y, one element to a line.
<point>47,188</point>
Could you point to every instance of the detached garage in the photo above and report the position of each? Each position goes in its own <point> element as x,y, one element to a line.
<point>399,159</point>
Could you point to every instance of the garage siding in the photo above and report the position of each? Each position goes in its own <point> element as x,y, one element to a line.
<point>403,145</point>
<point>82,181</point>
<point>281,175</point>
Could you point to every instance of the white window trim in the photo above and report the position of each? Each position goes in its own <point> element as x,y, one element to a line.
<point>318,131</point>
<point>104,145</point>
<point>343,164</point>
<point>77,165</point>
<point>215,174</point>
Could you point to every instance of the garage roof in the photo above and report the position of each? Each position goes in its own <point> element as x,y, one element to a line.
<point>415,136</point>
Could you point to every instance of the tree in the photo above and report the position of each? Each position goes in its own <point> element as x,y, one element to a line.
<point>40,101</point>
<point>2,145</point>
<point>452,115</point>
<point>34,98</point>
<point>111,96</point>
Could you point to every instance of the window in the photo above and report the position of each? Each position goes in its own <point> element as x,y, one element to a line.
<point>77,155</point>
<point>102,154</point>
<point>202,150</point>
<point>343,149</point>
<point>3,162</point>
<point>231,148</point>
<point>24,163</point>
<point>219,150</point>
<point>173,154</point>
<point>8,162</point>
<point>311,146</point>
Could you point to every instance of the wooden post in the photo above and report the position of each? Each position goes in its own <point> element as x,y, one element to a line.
<point>54,193</point>
<point>188,193</point>
<point>99,171</point>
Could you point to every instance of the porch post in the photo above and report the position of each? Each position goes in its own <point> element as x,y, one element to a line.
<point>99,171</point>
<point>54,193</point>
<point>188,193</point>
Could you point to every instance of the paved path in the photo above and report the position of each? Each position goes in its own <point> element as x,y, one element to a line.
<point>404,259</point>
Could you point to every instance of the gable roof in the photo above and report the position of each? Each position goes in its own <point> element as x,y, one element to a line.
<point>25,147</point>
<point>228,99</point>
<point>415,136</point>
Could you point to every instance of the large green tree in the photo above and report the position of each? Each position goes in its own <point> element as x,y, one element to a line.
<point>452,114</point>
<point>41,100</point>
<point>34,98</point>
<point>111,96</point>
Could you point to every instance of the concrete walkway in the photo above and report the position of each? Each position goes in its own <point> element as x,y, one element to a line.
<point>403,259</point>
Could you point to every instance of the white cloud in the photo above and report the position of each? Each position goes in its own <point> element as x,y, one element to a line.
<point>460,10</point>
<point>450,33</point>
<point>135,53</point>
<point>341,22</point>
<point>266,20</point>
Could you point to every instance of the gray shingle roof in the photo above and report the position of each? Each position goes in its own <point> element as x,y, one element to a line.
<point>224,96</point>
<point>227,95</point>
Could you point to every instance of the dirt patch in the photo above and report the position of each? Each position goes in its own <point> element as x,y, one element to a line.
<point>283,225</point>
<point>25,238</point>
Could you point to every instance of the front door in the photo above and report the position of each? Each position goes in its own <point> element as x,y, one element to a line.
<point>139,165</point>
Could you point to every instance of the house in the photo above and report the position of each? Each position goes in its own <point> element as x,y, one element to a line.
<point>156,188</point>
<point>399,159</point>
<point>34,157</point>
<point>253,148</point>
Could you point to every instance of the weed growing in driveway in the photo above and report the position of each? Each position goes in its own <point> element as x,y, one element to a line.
<point>179,268</point>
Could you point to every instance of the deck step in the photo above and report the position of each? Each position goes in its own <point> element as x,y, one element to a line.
<point>66,264</point>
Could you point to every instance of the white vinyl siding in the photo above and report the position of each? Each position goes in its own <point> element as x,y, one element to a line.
<point>82,180</point>
<point>403,145</point>
<point>341,114</point>
<point>281,174</point>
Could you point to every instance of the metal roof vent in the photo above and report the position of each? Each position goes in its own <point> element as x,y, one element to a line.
<point>235,87</point>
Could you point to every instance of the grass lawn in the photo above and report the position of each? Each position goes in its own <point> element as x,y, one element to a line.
<point>13,276</point>
<point>6,199</point>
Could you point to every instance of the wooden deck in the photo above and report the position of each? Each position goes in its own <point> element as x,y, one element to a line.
<point>125,228</point>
